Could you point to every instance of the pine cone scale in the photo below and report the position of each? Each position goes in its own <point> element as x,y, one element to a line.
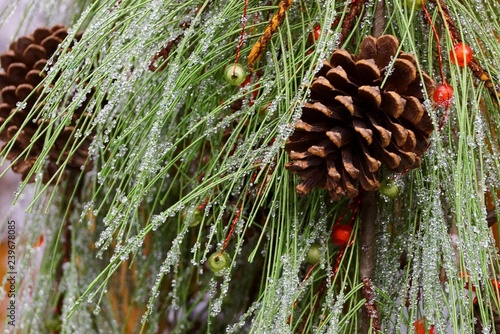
<point>370,95</point>
<point>21,45</point>
<point>372,164</point>
<point>33,53</point>
<point>348,164</point>
<point>339,136</point>
<point>319,108</point>
<point>33,77</point>
<point>343,59</point>
<point>16,73</point>
<point>398,132</point>
<point>347,102</point>
<point>403,73</point>
<point>51,43</point>
<point>322,86</point>
<point>40,34</point>
<point>387,47</point>
<point>23,91</point>
<point>366,177</point>
<point>392,104</point>
<point>384,134</point>
<point>7,58</point>
<point>337,77</point>
<point>413,111</point>
<point>363,129</point>
<point>9,95</point>
<point>368,71</point>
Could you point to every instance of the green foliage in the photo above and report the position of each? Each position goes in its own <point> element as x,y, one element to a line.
<point>182,160</point>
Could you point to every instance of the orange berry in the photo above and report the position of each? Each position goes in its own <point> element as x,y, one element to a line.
<point>443,95</point>
<point>341,234</point>
<point>314,35</point>
<point>461,54</point>
<point>420,327</point>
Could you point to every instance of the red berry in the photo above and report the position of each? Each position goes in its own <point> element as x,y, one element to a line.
<point>341,234</point>
<point>496,286</point>
<point>421,327</point>
<point>314,35</point>
<point>443,95</point>
<point>461,54</point>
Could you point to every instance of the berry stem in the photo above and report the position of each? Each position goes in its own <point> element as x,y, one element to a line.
<point>337,263</point>
<point>354,203</point>
<point>438,43</point>
<point>231,230</point>
<point>202,205</point>
<point>309,271</point>
<point>444,118</point>
<point>242,34</point>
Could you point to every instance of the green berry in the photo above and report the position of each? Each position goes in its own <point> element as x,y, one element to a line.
<point>389,188</point>
<point>218,262</point>
<point>53,324</point>
<point>235,74</point>
<point>314,253</point>
<point>415,4</point>
<point>197,218</point>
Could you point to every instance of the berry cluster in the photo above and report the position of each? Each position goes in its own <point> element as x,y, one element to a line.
<point>461,55</point>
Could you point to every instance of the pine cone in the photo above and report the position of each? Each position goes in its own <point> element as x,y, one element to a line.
<point>23,64</point>
<point>363,111</point>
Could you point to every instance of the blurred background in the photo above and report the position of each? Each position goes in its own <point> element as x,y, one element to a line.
<point>10,181</point>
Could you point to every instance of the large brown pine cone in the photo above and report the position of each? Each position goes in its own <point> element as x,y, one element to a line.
<point>363,111</point>
<point>23,64</point>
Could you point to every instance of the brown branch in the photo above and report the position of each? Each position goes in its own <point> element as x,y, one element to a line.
<point>491,217</point>
<point>370,317</point>
<point>355,7</point>
<point>259,46</point>
<point>165,52</point>
<point>474,65</point>
<point>379,20</point>
<point>371,306</point>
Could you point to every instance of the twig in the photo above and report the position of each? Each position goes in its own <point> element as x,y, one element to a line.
<point>370,317</point>
<point>371,306</point>
<point>348,22</point>
<point>231,230</point>
<point>165,52</point>
<point>379,21</point>
<point>491,217</point>
<point>259,46</point>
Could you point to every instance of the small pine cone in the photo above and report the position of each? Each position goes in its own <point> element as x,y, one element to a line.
<point>23,64</point>
<point>363,111</point>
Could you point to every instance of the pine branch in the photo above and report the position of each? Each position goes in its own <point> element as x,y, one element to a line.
<point>178,150</point>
